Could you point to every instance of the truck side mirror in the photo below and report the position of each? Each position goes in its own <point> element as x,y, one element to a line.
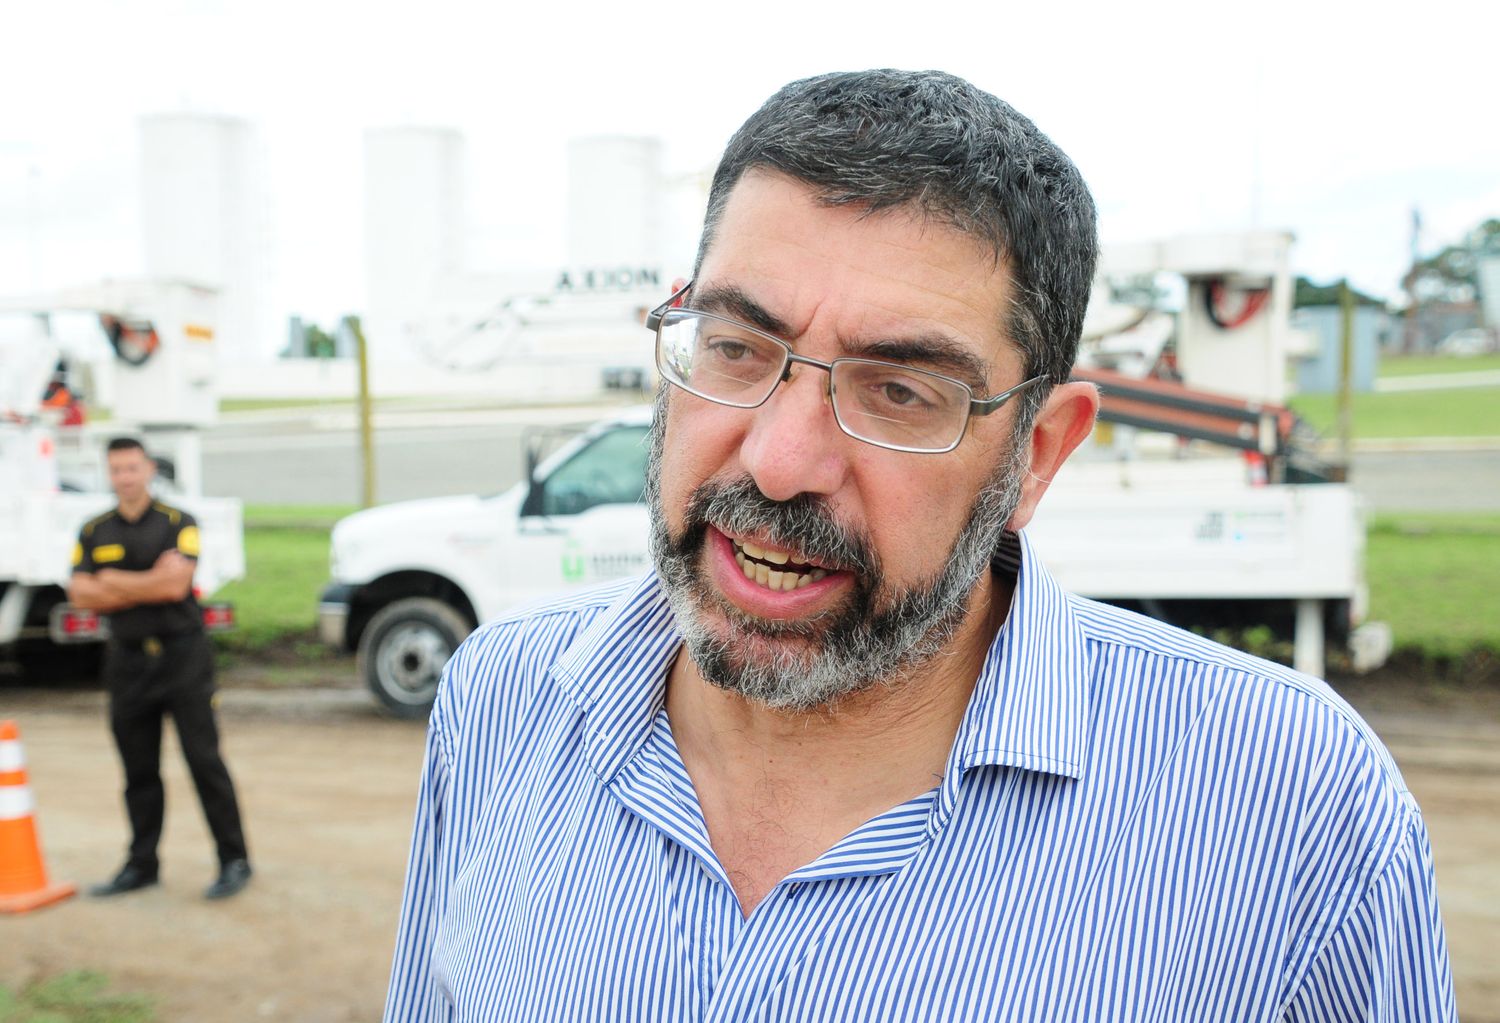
<point>532,505</point>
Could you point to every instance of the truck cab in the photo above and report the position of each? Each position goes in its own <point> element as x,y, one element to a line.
<point>410,580</point>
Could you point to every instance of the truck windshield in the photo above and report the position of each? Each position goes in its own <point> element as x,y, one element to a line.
<point>611,470</point>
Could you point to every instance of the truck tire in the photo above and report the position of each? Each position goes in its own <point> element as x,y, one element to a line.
<point>403,649</point>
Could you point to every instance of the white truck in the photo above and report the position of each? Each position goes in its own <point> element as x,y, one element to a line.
<point>410,580</point>
<point>1199,501</point>
<point>1201,541</point>
<point>153,339</point>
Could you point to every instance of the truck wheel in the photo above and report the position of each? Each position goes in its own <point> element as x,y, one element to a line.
<point>403,649</point>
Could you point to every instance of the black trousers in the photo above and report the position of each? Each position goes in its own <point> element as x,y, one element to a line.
<point>176,677</point>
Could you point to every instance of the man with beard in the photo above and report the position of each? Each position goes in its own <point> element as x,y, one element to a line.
<point>848,753</point>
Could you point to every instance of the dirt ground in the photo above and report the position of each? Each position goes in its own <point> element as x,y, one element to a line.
<point>328,787</point>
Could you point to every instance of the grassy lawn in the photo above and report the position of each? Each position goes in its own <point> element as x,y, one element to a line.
<point>285,570</point>
<point>1436,580</point>
<point>259,404</point>
<point>1461,412</point>
<point>286,567</point>
<point>78,996</point>
<point>295,516</point>
<point>1426,365</point>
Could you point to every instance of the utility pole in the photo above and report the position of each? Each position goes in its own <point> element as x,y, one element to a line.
<point>1346,371</point>
<point>366,430</point>
<point>1409,326</point>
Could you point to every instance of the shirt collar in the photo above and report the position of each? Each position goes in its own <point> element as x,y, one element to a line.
<point>1029,708</point>
<point>616,672</point>
<point>1030,705</point>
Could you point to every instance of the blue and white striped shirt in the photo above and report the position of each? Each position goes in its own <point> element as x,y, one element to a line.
<point>1134,824</point>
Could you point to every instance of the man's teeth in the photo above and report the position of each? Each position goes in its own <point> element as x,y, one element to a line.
<point>784,581</point>
<point>770,554</point>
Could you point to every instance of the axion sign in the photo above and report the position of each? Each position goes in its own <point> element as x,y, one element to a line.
<point>614,278</point>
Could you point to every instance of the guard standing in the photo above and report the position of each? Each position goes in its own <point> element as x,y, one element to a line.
<point>135,564</point>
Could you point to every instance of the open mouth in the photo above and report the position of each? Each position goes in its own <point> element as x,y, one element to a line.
<point>774,569</point>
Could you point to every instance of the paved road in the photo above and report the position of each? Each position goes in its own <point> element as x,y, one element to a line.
<point>1457,481</point>
<point>315,460</point>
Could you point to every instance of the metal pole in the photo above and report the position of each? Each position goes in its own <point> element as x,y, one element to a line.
<point>1346,370</point>
<point>1409,323</point>
<point>1308,639</point>
<point>366,429</point>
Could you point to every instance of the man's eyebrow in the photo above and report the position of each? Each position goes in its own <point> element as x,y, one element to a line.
<point>937,352</point>
<point>728,300</point>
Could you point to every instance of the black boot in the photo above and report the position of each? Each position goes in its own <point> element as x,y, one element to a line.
<point>233,876</point>
<point>130,878</point>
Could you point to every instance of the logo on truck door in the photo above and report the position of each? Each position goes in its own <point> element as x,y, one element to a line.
<point>572,562</point>
<point>579,565</point>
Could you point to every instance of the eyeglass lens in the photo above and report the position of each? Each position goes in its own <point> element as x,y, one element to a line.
<point>875,401</point>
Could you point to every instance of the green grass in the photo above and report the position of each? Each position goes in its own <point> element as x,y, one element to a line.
<point>342,402</point>
<point>286,567</point>
<point>260,404</point>
<point>295,516</point>
<point>1436,580</point>
<point>1456,412</point>
<point>1426,365</point>
<point>78,996</point>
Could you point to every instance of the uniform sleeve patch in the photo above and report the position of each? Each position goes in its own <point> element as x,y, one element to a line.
<point>88,527</point>
<point>187,541</point>
<point>108,552</point>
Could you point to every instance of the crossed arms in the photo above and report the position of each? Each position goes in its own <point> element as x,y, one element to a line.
<point>115,589</point>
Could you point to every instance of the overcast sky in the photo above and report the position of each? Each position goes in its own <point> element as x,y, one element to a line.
<point>1331,120</point>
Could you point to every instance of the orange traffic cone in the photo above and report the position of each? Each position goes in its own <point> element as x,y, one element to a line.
<point>23,878</point>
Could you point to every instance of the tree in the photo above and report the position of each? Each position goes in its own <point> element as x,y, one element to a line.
<point>1309,293</point>
<point>1452,274</point>
<point>320,343</point>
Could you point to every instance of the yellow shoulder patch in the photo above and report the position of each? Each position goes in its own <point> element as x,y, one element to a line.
<point>88,527</point>
<point>77,554</point>
<point>108,552</point>
<point>187,541</point>
<point>172,514</point>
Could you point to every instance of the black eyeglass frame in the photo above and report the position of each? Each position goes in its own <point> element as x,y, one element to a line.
<point>977,406</point>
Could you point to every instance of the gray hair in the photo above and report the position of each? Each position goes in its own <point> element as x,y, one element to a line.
<point>884,139</point>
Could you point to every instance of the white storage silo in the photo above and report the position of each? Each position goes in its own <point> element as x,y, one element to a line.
<point>414,199</point>
<point>615,204</point>
<point>206,219</point>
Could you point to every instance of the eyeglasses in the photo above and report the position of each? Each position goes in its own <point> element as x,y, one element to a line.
<point>881,403</point>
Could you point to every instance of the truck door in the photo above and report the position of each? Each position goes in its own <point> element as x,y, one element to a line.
<point>585,522</point>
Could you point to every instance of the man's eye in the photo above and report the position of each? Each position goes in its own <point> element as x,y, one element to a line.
<point>728,348</point>
<point>904,394</point>
<point>899,394</point>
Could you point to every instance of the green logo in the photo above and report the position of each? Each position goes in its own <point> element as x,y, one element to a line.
<point>572,562</point>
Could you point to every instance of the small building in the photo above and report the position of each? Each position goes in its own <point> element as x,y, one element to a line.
<point>1318,370</point>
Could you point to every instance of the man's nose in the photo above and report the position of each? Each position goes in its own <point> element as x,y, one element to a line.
<point>794,444</point>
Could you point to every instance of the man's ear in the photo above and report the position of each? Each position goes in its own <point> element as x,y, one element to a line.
<point>1065,420</point>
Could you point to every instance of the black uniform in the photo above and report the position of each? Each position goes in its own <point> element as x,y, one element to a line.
<point>159,661</point>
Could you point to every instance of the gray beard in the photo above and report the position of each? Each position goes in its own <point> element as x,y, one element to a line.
<point>875,639</point>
